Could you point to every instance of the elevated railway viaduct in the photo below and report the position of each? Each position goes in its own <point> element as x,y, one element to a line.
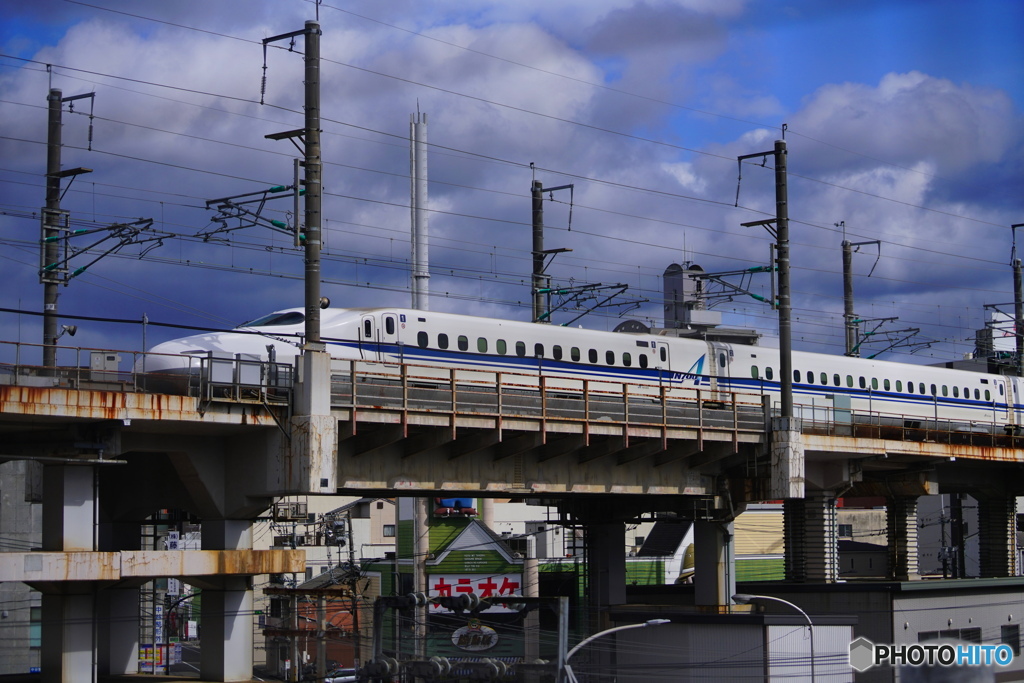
<point>234,437</point>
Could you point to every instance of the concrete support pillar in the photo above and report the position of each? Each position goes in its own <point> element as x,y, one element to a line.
<point>606,564</point>
<point>69,619</point>
<point>901,524</point>
<point>997,536</point>
<point>531,622</point>
<point>811,538</point>
<point>117,650</point>
<point>714,582</point>
<point>227,632</point>
<point>69,627</point>
<point>227,609</point>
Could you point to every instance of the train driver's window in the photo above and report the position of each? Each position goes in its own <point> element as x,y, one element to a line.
<point>442,341</point>
<point>627,359</point>
<point>574,353</point>
<point>643,360</point>
<point>520,348</point>
<point>754,373</point>
<point>556,351</point>
<point>538,350</point>
<point>481,344</point>
<point>768,374</point>
<point>609,357</point>
<point>463,343</point>
<point>422,340</point>
<point>501,347</point>
<point>592,355</point>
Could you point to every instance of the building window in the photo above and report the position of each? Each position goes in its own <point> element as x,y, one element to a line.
<point>389,531</point>
<point>1009,634</point>
<point>846,530</point>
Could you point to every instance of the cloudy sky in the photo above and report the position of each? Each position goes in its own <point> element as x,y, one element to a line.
<point>903,125</point>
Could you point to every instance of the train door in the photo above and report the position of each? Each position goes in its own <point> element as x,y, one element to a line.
<point>369,342</point>
<point>719,362</point>
<point>1010,388</point>
<point>661,355</point>
<point>390,336</point>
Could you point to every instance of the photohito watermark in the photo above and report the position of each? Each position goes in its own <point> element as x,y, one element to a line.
<point>864,654</point>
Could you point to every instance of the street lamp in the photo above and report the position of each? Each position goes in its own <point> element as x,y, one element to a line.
<point>746,598</point>
<point>568,669</point>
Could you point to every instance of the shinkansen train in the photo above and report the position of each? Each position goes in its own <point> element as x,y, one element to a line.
<point>894,393</point>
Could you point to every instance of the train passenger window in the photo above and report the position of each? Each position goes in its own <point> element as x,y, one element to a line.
<point>538,350</point>
<point>920,388</point>
<point>956,391</point>
<point>520,349</point>
<point>796,376</point>
<point>988,396</point>
<point>421,339</point>
<point>874,383</point>
<point>899,385</point>
<point>367,328</point>
<point>664,354</point>
<point>835,380</point>
<point>810,378</point>
<point>442,341</point>
<point>592,355</point>
<point>754,373</point>
<point>463,343</point>
<point>501,347</point>
<point>574,353</point>
<point>977,395</point>
<point>945,391</point>
<point>768,374</point>
<point>849,380</point>
<point>934,392</point>
<point>967,392</point>
<point>643,360</point>
<point>389,324</point>
<point>885,384</point>
<point>627,359</point>
<point>609,357</point>
<point>910,387</point>
<point>863,384</point>
<point>481,344</point>
<point>556,351</point>
<point>824,378</point>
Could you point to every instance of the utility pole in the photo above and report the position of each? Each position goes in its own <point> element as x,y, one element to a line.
<point>310,136</point>
<point>850,320</point>
<point>55,223</point>
<point>1018,302</point>
<point>539,281</point>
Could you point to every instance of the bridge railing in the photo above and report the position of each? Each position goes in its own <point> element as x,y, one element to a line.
<point>505,394</point>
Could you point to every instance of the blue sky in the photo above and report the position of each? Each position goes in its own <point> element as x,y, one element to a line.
<point>904,122</point>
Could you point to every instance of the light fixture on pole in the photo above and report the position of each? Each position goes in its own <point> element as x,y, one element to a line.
<point>747,598</point>
<point>570,676</point>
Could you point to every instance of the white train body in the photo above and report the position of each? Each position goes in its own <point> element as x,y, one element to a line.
<point>895,393</point>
